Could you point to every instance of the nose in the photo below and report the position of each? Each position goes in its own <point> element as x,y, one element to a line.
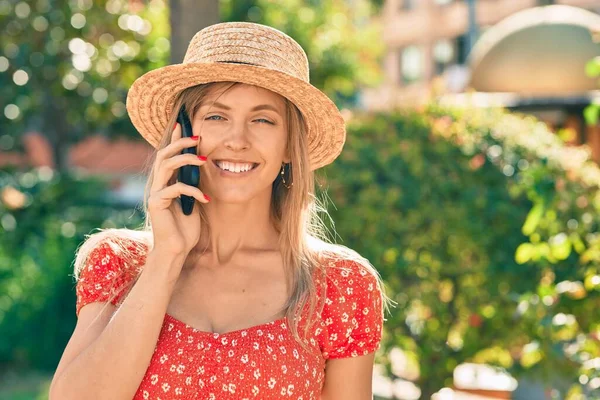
<point>237,137</point>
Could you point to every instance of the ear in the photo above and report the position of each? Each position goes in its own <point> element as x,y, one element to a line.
<point>287,157</point>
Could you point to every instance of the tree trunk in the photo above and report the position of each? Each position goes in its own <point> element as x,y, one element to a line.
<point>57,130</point>
<point>427,391</point>
<point>188,17</point>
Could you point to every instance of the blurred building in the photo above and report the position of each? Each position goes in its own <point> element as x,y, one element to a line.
<point>121,161</point>
<point>526,55</point>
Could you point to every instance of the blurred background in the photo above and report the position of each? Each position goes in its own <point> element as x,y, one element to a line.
<point>469,178</point>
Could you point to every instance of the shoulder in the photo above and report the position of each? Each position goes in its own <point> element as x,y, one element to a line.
<point>352,282</point>
<point>106,265</point>
<point>352,316</point>
<point>348,271</point>
<point>110,252</point>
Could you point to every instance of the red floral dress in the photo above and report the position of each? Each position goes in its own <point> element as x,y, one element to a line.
<point>259,362</point>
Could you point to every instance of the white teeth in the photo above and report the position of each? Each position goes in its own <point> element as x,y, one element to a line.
<point>234,167</point>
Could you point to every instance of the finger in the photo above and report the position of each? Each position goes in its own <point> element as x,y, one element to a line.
<point>175,148</point>
<point>163,199</point>
<point>179,188</point>
<point>176,134</point>
<point>168,169</point>
<point>166,172</point>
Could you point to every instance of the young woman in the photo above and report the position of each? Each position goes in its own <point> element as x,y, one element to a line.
<point>243,298</point>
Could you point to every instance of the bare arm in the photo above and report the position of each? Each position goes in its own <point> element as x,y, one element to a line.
<point>107,357</point>
<point>349,378</point>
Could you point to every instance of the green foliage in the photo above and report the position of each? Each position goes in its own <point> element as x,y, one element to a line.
<point>483,225</point>
<point>67,65</point>
<point>25,385</point>
<point>43,218</point>
<point>592,112</point>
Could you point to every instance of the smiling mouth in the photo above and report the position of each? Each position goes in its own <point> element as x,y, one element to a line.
<point>235,167</point>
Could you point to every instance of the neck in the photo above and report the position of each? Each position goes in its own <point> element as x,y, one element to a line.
<point>238,227</point>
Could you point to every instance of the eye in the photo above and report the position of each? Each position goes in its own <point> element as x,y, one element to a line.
<point>211,118</point>
<point>266,120</point>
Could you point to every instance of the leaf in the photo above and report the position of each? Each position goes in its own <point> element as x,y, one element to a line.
<point>592,68</point>
<point>533,219</point>
<point>591,114</point>
<point>561,251</point>
<point>524,253</point>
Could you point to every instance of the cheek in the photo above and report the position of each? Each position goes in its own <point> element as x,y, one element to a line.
<point>207,144</point>
<point>274,143</point>
<point>273,154</point>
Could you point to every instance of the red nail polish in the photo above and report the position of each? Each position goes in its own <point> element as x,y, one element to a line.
<point>175,126</point>
<point>194,137</point>
<point>203,158</point>
<point>206,197</point>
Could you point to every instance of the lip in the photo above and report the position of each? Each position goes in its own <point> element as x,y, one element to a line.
<point>233,160</point>
<point>234,174</point>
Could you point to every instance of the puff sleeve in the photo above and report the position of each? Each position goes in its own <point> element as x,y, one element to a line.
<point>352,313</point>
<point>104,277</point>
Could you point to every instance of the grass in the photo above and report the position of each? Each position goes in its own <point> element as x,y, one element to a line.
<point>24,386</point>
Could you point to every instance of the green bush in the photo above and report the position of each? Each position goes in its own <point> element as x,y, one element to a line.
<point>43,219</point>
<point>483,225</point>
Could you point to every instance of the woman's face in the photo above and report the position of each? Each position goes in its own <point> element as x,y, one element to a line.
<point>244,136</point>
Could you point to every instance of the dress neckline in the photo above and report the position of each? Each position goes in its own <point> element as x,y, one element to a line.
<point>236,332</point>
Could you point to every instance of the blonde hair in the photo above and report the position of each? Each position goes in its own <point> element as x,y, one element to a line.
<point>306,252</point>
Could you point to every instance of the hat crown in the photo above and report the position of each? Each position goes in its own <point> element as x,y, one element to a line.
<point>248,43</point>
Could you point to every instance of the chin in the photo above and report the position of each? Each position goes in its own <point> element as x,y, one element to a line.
<point>236,195</point>
<point>234,199</point>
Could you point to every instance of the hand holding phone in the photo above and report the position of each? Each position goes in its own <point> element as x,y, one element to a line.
<point>188,174</point>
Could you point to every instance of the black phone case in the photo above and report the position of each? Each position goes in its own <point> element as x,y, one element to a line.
<point>188,174</point>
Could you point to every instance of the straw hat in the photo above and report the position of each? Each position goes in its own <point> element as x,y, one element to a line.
<point>248,53</point>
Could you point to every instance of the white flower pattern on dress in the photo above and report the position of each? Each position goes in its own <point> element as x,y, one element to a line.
<point>260,362</point>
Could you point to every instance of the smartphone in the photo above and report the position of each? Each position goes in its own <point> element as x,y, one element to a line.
<point>188,174</point>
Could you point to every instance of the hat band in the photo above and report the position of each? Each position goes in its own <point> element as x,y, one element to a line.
<point>238,62</point>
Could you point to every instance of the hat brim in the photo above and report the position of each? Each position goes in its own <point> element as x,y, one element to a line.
<point>151,98</point>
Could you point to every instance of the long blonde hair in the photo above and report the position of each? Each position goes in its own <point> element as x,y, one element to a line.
<point>305,249</point>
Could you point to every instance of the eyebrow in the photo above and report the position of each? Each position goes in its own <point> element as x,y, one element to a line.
<point>256,108</point>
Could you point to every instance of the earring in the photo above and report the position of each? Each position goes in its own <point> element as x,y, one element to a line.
<point>282,173</point>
